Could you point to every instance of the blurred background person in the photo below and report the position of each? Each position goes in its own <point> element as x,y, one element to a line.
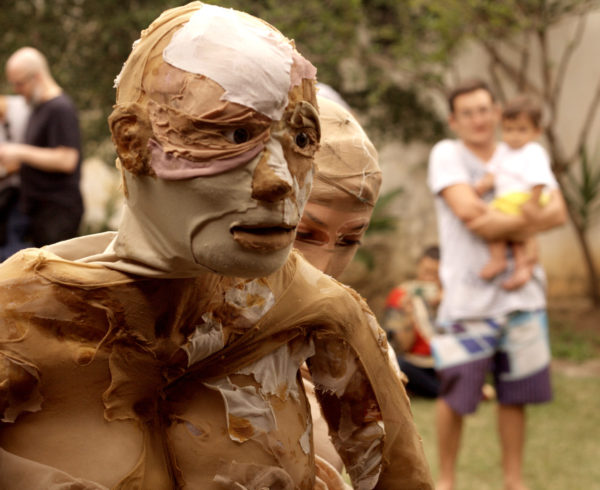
<point>14,114</point>
<point>410,312</point>
<point>484,328</point>
<point>50,159</point>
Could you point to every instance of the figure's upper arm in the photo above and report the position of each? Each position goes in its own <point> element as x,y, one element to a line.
<point>19,387</point>
<point>365,404</point>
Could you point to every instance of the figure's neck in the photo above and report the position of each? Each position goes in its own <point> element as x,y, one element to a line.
<point>138,250</point>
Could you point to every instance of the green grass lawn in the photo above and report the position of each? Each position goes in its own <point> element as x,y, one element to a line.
<point>563,440</point>
<point>562,449</point>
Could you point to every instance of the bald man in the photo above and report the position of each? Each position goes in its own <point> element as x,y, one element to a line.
<point>49,161</point>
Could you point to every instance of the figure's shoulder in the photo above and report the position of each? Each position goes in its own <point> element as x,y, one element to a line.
<point>39,264</point>
<point>321,290</point>
<point>306,273</point>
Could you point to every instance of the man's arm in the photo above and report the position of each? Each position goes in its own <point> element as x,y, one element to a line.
<point>553,214</point>
<point>59,159</point>
<point>494,225</point>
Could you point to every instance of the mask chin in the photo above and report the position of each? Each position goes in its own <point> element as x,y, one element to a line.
<point>242,264</point>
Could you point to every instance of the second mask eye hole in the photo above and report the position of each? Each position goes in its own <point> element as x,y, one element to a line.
<point>302,139</point>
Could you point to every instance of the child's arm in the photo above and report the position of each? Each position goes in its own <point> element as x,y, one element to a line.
<point>536,193</point>
<point>532,209</point>
<point>485,184</point>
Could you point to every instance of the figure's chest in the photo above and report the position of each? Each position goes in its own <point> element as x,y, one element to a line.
<point>253,422</point>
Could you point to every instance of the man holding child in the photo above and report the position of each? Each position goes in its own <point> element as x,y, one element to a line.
<point>486,326</point>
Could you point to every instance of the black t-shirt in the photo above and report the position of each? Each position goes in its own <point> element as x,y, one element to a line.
<point>52,124</point>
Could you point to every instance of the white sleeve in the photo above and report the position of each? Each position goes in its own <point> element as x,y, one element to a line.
<point>17,115</point>
<point>537,169</point>
<point>446,167</point>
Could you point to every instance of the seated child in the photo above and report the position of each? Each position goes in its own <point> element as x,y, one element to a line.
<point>520,176</point>
<point>410,311</point>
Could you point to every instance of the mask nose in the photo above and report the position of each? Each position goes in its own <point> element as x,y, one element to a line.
<point>272,180</point>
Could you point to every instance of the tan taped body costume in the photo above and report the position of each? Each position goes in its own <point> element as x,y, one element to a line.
<point>139,360</point>
<point>92,384</point>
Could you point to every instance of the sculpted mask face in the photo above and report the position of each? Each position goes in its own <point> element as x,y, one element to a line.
<point>221,177</point>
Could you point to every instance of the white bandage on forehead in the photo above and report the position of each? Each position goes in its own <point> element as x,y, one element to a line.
<point>251,61</point>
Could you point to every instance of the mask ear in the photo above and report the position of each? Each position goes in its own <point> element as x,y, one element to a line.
<point>131,129</point>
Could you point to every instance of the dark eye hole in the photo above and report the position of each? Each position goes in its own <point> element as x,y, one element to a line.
<point>348,242</point>
<point>311,237</point>
<point>302,139</point>
<point>241,135</point>
<point>237,135</point>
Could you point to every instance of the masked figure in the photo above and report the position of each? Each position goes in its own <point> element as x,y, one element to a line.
<point>167,355</point>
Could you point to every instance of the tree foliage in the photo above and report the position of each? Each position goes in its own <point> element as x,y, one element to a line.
<point>86,43</point>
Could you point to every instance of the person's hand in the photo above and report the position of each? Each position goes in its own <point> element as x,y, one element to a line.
<point>531,211</point>
<point>10,159</point>
<point>485,184</point>
<point>2,107</point>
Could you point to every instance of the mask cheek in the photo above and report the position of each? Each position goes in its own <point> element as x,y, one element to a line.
<point>294,204</point>
<point>300,166</point>
<point>317,255</point>
<point>302,190</point>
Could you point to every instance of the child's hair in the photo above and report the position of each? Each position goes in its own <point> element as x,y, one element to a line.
<point>432,252</point>
<point>523,104</point>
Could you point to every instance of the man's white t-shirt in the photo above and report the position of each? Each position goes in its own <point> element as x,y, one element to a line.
<point>521,169</point>
<point>463,254</point>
